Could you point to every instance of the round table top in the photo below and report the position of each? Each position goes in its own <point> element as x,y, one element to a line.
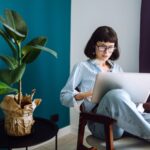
<point>43,130</point>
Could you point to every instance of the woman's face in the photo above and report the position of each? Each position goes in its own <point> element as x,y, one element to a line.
<point>104,50</point>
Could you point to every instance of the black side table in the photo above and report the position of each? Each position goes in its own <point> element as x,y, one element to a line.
<point>43,130</point>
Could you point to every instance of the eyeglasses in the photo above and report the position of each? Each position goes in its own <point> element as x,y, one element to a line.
<point>109,49</point>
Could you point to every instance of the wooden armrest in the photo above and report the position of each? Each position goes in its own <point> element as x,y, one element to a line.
<point>92,116</point>
<point>97,118</point>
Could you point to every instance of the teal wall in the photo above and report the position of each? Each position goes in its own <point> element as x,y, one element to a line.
<point>48,75</point>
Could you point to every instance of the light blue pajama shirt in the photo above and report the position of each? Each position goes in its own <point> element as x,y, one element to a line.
<point>83,76</point>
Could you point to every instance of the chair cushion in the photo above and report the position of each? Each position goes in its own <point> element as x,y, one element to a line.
<point>124,143</point>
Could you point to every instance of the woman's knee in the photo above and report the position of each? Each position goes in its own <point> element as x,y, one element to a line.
<point>116,96</point>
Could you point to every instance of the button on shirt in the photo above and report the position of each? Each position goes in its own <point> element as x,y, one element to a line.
<point>83,77</point>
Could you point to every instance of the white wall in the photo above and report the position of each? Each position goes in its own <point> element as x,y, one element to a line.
<point>122,15</point>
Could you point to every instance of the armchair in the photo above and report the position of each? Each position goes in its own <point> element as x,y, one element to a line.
<point>108,122</point>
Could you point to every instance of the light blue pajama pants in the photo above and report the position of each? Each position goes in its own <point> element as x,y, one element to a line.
<point>118,105</point>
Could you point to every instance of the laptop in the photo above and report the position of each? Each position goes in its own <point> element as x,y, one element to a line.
<point>136,84</point>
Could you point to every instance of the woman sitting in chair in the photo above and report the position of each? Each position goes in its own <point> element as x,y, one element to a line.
<point>102,50</point>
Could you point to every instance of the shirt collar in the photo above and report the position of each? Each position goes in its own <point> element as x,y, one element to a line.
<point>96,62</point>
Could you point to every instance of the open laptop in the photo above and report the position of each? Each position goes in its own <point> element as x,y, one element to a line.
<point>136,84</point>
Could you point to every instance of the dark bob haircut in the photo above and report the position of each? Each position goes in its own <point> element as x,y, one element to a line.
<point>102,34</point>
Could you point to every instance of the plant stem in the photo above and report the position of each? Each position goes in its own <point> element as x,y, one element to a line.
<point>19,91</point>
<point>19,82</point>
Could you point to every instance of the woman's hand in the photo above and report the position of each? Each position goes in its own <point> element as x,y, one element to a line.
<point>83,95</point>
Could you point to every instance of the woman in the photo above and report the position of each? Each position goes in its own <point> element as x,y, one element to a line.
<point>102,50</point>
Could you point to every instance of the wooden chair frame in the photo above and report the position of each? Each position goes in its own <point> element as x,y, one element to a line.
<point>107,121</point>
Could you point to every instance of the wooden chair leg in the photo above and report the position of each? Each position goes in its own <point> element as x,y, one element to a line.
<point>82,124</point>
<point>109,137</point>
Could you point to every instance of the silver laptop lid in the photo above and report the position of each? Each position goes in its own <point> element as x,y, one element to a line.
<point>136,84</point>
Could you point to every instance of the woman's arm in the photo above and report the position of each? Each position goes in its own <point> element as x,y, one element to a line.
<point>67,94</point>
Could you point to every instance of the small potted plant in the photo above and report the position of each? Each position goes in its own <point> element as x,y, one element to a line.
<point>17,107</point>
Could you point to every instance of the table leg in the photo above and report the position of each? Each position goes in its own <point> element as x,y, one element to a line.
<point>56,142</point>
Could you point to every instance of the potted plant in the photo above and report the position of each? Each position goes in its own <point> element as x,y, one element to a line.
<point>18,108</point>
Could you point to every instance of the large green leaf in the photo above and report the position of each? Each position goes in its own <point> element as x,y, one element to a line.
<point>10,61</point>
<point>46,49</point>
<point>12,76</point>
<point>14,25</point>
<point>5,89</point>
<point>34,51</point>
<point>41,40</point>
<point>18,37</point>
<point>29,52</point>
<point>8,40</point>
